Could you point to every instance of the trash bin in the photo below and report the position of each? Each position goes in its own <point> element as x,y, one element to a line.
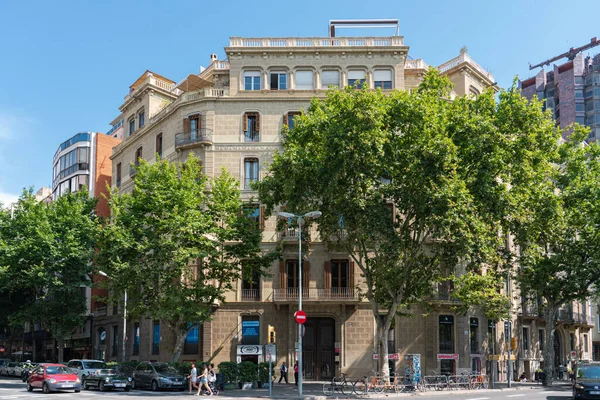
<point>220,382</point>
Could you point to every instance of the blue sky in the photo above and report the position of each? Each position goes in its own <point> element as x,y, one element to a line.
<point>66,65</point>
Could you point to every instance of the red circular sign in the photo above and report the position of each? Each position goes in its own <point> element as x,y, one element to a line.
<point>300,316</point>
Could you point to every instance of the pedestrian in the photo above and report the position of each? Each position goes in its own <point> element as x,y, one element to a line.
<point>192,378</point>
<point>204,381</point>
<point>561,371</point>
<point>283,372</point>
<point>296,372</point>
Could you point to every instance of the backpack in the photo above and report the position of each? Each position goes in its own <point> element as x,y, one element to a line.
<point>212,377</point>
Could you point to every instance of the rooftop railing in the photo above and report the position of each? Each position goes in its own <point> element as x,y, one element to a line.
<point>317,42</point>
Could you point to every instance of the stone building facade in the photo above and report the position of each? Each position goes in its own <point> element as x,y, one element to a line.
<point>231,115</point>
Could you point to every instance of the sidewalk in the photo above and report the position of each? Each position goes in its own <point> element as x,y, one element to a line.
<point>314,391</point>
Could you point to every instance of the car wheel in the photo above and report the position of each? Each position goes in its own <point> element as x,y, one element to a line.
<point>45,388</point>
<point>85,385</point>
<point>154,386</point>
<point>101,386</point>
<point>77,390</point>
<point>29,387</point>
<point>133,384</point>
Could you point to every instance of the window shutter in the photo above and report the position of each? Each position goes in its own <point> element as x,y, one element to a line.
<point>186,125</point>
<point>356,74</point>
<point>382,75</point>
<point>257,126</point>
<point>245,122</point>
<point>304,80</point>
<point>285,119</point>
<point>282,275</point>
<point>351,283</point>
<point>261,217</point>
<point>306,274</point>
<point>327,277</point>
<point>199,123</point>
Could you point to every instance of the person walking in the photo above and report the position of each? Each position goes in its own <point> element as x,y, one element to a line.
<point>192,378</point>
<point>283,371</point>
<point>296,372</point>
<point>204,381</point>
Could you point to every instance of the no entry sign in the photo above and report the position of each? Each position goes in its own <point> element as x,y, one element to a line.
<point>300,316</point>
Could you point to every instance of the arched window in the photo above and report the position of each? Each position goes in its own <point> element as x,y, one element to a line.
<point>474,92</point>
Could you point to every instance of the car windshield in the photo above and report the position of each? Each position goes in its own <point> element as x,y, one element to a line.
<point>94,365</point>
<point>108,372</point>
<point>58,370</point>
<point>164,368</point>
<point>589,372</point>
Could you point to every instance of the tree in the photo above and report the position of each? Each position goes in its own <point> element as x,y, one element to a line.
<point>406,183</point>
<point>558,235</point>
<point>178,243</point>
<point>46,255</point>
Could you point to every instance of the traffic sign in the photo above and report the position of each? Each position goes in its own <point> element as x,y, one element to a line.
<point>300,316</point>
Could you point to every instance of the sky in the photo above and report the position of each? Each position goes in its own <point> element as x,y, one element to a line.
<point>65,66</point>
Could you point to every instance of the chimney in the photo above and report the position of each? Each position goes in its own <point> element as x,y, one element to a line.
<point>213,57</point>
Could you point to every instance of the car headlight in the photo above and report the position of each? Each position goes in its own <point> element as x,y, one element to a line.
<point>578,386</point>
<point>107,380</point>
<point>52,380</point>
<point>129,379</point>
<point>166,380</point>
<point>77,380</point>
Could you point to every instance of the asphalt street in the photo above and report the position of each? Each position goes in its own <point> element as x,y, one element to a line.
<point>14,389</point>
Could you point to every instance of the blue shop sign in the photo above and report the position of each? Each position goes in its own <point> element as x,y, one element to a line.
<point>249,328</point>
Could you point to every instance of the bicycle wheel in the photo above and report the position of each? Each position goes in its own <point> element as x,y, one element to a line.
<point>359,387</point>
<point>328,389</point>
<point>347,388</point>
<point>379,386</point>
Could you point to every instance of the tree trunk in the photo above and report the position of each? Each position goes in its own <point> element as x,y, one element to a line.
<point>179,342</point>
<point>383,330</point>
<point>550,317</point>
<point>61,349</point>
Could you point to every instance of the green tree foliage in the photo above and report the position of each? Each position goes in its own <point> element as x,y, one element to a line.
<point>412,186</point>
<point>178,243</point>
<point>45,258</point>
<point>558,233</point>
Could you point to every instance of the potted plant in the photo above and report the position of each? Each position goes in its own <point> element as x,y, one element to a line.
<point>230,374</point>
<point>247,374</point>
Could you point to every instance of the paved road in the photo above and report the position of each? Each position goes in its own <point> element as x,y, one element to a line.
<point>14,389</point>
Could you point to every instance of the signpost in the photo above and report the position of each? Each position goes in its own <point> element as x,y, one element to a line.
<point>300,317</point>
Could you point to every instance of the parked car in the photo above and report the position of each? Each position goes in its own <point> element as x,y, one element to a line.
<point>106,379</point>
<point>4,361</point>
<point>83,368</point>
<point>18,369</point>
<point>587,381</point>
<point>53,377</point>
<point>8,369</point>
<point>157,375</point>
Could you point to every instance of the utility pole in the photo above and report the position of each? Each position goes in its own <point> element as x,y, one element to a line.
<point>509,339</point>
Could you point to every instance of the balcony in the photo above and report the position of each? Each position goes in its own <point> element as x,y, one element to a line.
<point>132,170</point>
<point>530,311</point>
<point>100,312</point>
<point>250,295</point>
<point>201,137</point>
<point>251,136</point>
<point>444,297</point>
<point>464,58</point>
<point>312,294</point>
<point>583,319</point>
<point>323,42</point>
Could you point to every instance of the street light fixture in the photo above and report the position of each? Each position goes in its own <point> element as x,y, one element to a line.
<point>124,316</point>
<point>286,215</point>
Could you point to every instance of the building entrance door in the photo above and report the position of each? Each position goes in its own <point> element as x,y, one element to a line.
<point>318,348</point>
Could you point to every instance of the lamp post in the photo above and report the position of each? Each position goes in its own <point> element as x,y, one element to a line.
<point>286,215</point>
<point>124,317</point>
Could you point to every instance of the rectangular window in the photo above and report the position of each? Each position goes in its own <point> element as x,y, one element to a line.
<point>138,155</point>
<point>541,338</point>
<point>474,335</point>
<point>492,335</point>
<point>136,339</point>
<point>250,330</point>
<point>382,78</point>
<point>579,80</point>
<point>579,107</point>
<point>156,337</point>
<point>141,119</point>
<point>115,344</point>
<point>159,145</point>
<point>525,339</point>
<point>278,80</point>
<point>251,127</point>
<point>251,285</point>
<point>596,92</point>
<point>118,176</point>
<point>339,274</point>
<point>446,324</point>
<point>578,94</point>
<point>292,273</point>
<point>330,78</point>
<point>250,172</point>
<point>580,120</point>
<point>357,77</point>
<point>131,126</point>
<point>191,340</point>
<point>304,80</point>
<point>585,343</point>
<point>194,127</point>
<point>252,80</point>
<point>289,119</point>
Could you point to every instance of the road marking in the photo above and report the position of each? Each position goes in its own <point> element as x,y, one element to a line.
<point>479,398</point>
<point>516,395</point>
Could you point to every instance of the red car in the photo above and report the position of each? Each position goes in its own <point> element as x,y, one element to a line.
<point>53,377</point>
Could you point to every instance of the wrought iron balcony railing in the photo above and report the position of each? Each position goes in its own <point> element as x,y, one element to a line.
<point>197,137</point>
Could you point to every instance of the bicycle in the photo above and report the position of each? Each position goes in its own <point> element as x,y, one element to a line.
<point>338,385</point>
<point>479,381</point>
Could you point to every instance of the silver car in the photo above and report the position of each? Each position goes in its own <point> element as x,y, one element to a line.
<point>84,368</point>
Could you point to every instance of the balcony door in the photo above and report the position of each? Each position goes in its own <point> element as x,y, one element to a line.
<point>318,358</point>
<point>339,278</point>
<point>289,271</point>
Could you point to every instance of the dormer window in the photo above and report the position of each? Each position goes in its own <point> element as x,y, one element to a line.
<point>278,80</point>
<point>252,80</point>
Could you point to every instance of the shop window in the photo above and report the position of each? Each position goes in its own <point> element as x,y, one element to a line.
<point>136,339</point>
<point>474,335</point>
<point>156,338</point>
<point>191,340</point>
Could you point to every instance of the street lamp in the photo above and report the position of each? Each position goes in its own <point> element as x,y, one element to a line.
<point>124,315</point>
<point>286,215</point>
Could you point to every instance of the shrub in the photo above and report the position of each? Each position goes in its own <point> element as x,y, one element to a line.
<point>263,371</point>
<point>248,371</point>
<point>230,371</point>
